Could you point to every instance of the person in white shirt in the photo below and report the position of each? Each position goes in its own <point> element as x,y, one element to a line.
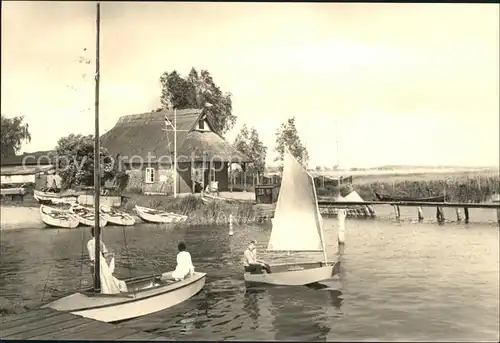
<point>184,266</point>
<point>91,250</point>
<point>252,265</point>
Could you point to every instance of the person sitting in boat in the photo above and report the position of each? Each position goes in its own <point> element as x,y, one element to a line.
<point>252,265</point>
<point>91,250</point>
<point>184,266</point>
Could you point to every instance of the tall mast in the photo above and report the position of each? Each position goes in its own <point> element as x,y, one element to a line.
<point>337,134</point>
<point>97,169</point>
<point>175,153</point>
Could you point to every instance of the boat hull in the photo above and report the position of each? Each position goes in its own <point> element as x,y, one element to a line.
<point>116,217</point>
<point>88,221</point>
<point>148,215</point>
<point>296,274</point>
<point>385,197</point>
<point>54,199</point>
<point>65,220</point>
<point>119,307</point>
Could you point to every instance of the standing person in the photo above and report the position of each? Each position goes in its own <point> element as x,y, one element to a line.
<point>91,250</point>
<point>184,266</point>
<point>252,265</point>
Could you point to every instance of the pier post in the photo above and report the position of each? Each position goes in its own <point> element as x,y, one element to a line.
<point>439,214</point>
<point>420,214</point>
<point>231,232</point>
<point>342,214</point>
<point>459,216</point>
<point>466,214</point>
<point>397,213</point>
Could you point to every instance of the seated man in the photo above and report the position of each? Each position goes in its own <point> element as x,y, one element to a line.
<point>184,266</point>
<point>252,265</point>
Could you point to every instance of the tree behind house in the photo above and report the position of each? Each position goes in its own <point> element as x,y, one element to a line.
<point>249,143</point>
<point>13,133</point>
<point>198,90</point>
<point>287,135</point>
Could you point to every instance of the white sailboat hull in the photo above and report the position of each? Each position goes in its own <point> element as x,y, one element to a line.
<point>296,274</point>
<point>117,307</point>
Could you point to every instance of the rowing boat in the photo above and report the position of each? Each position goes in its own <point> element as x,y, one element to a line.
<point>55,217</point>
<point>157,216</point>
<point>385,197</point>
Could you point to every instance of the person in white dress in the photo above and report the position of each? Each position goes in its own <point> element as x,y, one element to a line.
<point>91,250</point>
<point>184,266</point>
<point>109,283</point>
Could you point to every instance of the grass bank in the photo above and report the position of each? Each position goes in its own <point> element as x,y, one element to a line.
<point>197,211</point>
<point>459,187</point>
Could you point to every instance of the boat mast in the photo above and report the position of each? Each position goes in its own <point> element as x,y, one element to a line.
<point>337,142</point>
<point>175,153</point>
<point>97,169</point>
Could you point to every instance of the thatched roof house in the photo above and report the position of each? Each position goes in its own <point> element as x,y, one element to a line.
<point>146,139</point>
<point>140,134</point>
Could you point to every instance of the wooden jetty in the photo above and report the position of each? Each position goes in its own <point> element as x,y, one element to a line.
<point>48,324</point>
<point>419,204</point>
<point>266,211</point>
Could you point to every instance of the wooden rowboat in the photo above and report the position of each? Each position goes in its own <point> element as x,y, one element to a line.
<point>85,215</point>
<point>116,217</point>
<point>53,198</point>
<point>54,217</point>
<point>157,216</point>
<point>385,197</point>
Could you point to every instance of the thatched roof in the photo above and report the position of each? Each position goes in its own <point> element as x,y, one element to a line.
<point>140,134</point>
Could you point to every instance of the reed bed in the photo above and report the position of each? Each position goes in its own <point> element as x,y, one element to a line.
<point>461,188</point>
<point>198,212</point>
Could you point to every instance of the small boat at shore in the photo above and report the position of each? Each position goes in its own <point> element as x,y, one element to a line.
<point>116,217</point>
<point>60,218</point>
<point>209,198</point>
<point>157,216</point>
<point>385,197</point>
<point>85,215</point>
<point>53,198</point>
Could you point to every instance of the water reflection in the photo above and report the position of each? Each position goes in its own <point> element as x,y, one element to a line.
<point>305,307</point>
<point>335,294</point>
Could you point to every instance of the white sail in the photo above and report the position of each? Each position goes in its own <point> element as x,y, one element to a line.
<point>297,223</point>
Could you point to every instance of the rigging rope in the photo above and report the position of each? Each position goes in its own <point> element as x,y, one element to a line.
<point>48,274</point>
<point>81,259</point>
<point>126,251</point>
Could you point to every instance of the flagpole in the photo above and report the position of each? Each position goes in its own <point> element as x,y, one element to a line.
<point>175,153</point>
<point>97,159</point>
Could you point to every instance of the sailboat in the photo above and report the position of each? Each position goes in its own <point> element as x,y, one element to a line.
<point>113,300</point>
<point>297,226</point>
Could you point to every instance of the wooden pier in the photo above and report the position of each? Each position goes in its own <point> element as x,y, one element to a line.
<point>419,204</point>
<point>50,324</point>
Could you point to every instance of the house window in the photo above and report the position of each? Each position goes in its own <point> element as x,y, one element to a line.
<point>201,124</point>
<point>150,175</point>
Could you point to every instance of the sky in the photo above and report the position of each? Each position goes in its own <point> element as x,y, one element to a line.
<point>408,84</point>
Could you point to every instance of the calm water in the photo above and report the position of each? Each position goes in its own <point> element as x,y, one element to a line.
<point>399,281</point>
